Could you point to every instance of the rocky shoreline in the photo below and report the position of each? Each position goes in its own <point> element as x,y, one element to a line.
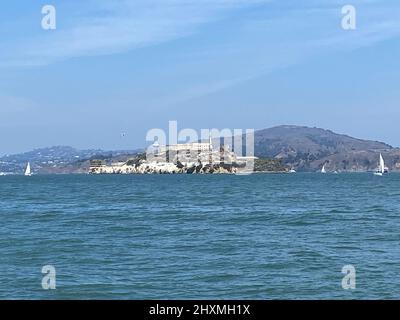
<point>168,168</point>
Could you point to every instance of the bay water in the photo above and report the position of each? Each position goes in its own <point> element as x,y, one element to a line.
<point>262,236</point>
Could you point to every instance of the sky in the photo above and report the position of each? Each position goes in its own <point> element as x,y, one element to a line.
<point>113,70</point>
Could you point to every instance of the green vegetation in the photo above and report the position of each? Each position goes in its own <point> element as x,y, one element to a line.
<point>137,160</point>
<point>269,165</point>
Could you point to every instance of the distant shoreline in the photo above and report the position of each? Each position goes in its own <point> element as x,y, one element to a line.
<point>302,148</point>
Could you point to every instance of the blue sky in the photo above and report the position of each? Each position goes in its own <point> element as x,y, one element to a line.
<point>130,66</point>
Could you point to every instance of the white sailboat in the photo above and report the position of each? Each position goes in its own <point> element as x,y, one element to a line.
<point>381,168</point>
<point>28,170</point>
<point>323,169</point>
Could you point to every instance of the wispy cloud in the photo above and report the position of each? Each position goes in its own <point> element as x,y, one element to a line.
<point>261,43</point>
<point>213,46</point>
<point>105,27</point>
<point>264,45</point>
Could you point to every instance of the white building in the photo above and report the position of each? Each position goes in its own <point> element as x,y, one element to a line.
<point>198,147</point>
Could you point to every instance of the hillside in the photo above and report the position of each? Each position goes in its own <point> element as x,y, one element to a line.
<point>307,149</point>
<point>282,147</point>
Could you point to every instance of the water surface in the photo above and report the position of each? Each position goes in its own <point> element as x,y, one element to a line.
<point>264,236</point>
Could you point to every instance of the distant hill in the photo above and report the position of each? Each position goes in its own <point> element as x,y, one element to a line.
<point>307,149</point>
<point>287,146</point>
<point>58,159</point>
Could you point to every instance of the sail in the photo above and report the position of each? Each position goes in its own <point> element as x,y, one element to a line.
<point>28,170</point>
<point>381,164</point>
<point>323,169</point>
